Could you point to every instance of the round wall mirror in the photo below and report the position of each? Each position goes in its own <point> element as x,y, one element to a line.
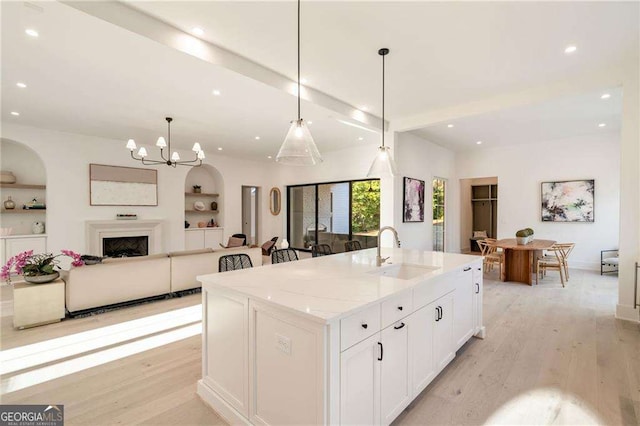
<point>275,201</point>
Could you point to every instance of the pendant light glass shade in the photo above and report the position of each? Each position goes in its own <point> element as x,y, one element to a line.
<point>298,148</point>
<point>383,165</point>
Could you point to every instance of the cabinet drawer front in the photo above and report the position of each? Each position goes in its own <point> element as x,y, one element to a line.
<point>359,326</point>
<point>396,308</point>
<point>425,293</point>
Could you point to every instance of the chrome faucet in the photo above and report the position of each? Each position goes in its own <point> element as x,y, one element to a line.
<point>379,259</point>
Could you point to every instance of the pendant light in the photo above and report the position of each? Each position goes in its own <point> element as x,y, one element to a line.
<point>383,164</point>
<point>298,148</point>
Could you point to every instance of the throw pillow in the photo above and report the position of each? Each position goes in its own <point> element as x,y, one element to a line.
<point>235,242</point>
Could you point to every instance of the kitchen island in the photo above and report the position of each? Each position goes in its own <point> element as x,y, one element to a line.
<point>335,339</point>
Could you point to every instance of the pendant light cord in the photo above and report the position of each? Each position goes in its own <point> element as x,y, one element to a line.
<point>298,60</point>
<point>383,100</point>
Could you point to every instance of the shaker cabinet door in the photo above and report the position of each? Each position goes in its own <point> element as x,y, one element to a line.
<point>360,383</point>
<point>395,387</point>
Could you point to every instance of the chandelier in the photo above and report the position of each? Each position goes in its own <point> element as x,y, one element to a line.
<point>163,144</point>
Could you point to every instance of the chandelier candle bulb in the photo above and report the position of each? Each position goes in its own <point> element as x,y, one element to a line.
<point>161,142</point>
<point>196,147</point>
<point>175,156</point>
<point>201,155</point>
<point>142,152</point>
<point>131,145</point>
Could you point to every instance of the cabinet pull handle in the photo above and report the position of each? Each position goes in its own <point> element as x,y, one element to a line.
<point>477,288</point>
<point>437,313</point>
<point>381,351</point>
<point>479,269</point>
<point>468,268</point>
<point>440,310</point>
<point>399,327</point>
<point>365,326</point>
<point>399,308</point>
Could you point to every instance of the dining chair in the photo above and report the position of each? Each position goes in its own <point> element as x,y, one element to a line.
<point>318,250</point>
<point>352,245</point>
<point>565,250</point>
<point>490,254</point>
<point>283,255</point>
<point>233,262</point>
<point>553,261</point>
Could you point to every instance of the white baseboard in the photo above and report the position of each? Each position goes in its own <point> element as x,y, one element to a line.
<point>220,406</point>
<point>627,313</point>
<point>588,266</point>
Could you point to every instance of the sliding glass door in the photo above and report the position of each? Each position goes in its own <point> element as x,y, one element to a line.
<point>333,213</point>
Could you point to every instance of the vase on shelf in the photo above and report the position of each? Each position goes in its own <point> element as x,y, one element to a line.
<point>9,204</point>
<point>41,279</point>
<point>37,227</point>
<point>214,205</point>
<point>7,177</point>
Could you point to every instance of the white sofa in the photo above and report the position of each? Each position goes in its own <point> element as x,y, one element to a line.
<point>187,265</point>
<point>127,279</point>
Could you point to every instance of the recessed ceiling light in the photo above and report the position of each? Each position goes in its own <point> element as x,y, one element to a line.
<point>570,49</point>
<point>257,138</point>
<point>219,148</point>
<point>15,113</point>
<point>605,96</point>
<point>449,125</point>
<point>215,92</point>
<point>269,157</point>
<point>602,125</point>
<point>31,32</point>
<point>21,85</point>
<point>479,143</point>
<point>360,138</point>
<point>309,122</point>
<point>197,31</point>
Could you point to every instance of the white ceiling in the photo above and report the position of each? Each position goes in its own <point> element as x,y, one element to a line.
<point>442,53</point>
<point>556,119</point>
<point>91,77</point>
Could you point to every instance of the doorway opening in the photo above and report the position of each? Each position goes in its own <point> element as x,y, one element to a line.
<point>250,204</point>
<point>438,228</point>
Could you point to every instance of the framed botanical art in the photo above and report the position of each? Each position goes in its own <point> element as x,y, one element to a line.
<point>568,201</point>
<point>413,200</point>
<point>122,186</point>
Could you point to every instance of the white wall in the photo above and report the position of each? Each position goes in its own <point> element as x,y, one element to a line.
<point>520,170</point>
<point>67,157</point>
<point>420,159</point>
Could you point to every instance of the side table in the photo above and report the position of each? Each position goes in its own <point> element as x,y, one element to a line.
<point>38,304</point>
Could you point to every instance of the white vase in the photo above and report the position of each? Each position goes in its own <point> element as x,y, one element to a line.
<point>37,227</point>
<point>284,244</point>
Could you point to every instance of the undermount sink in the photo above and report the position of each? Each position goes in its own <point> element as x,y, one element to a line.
<point>403,271</point>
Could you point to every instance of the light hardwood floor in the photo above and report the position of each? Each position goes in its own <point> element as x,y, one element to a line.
<point>551,356</point>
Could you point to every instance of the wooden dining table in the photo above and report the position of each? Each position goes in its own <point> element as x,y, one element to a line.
<point>519,260</point>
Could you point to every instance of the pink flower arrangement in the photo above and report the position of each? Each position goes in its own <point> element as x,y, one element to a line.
<point>29,264</point>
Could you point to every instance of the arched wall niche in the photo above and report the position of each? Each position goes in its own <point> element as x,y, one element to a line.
<point>29,169</point>
<point>211,182</point>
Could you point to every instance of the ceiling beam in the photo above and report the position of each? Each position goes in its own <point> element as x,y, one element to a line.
<point>138,22</point>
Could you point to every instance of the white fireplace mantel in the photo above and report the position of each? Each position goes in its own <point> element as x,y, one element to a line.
<point>97,230</point>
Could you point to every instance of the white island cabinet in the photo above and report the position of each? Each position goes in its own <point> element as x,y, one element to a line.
<point>335,339</point>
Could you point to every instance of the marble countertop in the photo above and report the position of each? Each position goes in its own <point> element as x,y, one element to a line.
<point>331,287</point>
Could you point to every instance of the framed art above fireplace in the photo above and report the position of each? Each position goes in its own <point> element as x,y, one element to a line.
<point>122,186</point>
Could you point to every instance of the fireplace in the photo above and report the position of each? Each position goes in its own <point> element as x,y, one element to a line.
<point>100,230</point>
<point>125,246</point>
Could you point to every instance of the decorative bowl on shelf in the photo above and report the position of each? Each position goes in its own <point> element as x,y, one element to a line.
<point>7,177</point>
<point>199,206</point>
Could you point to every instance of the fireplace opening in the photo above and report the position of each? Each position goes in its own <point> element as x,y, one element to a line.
<point>125,246</point>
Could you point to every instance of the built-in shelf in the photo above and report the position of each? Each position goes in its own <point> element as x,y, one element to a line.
<point>200,194</point>
<point>20,186</point>
<point>12,211</point>
<point>201,211</point>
